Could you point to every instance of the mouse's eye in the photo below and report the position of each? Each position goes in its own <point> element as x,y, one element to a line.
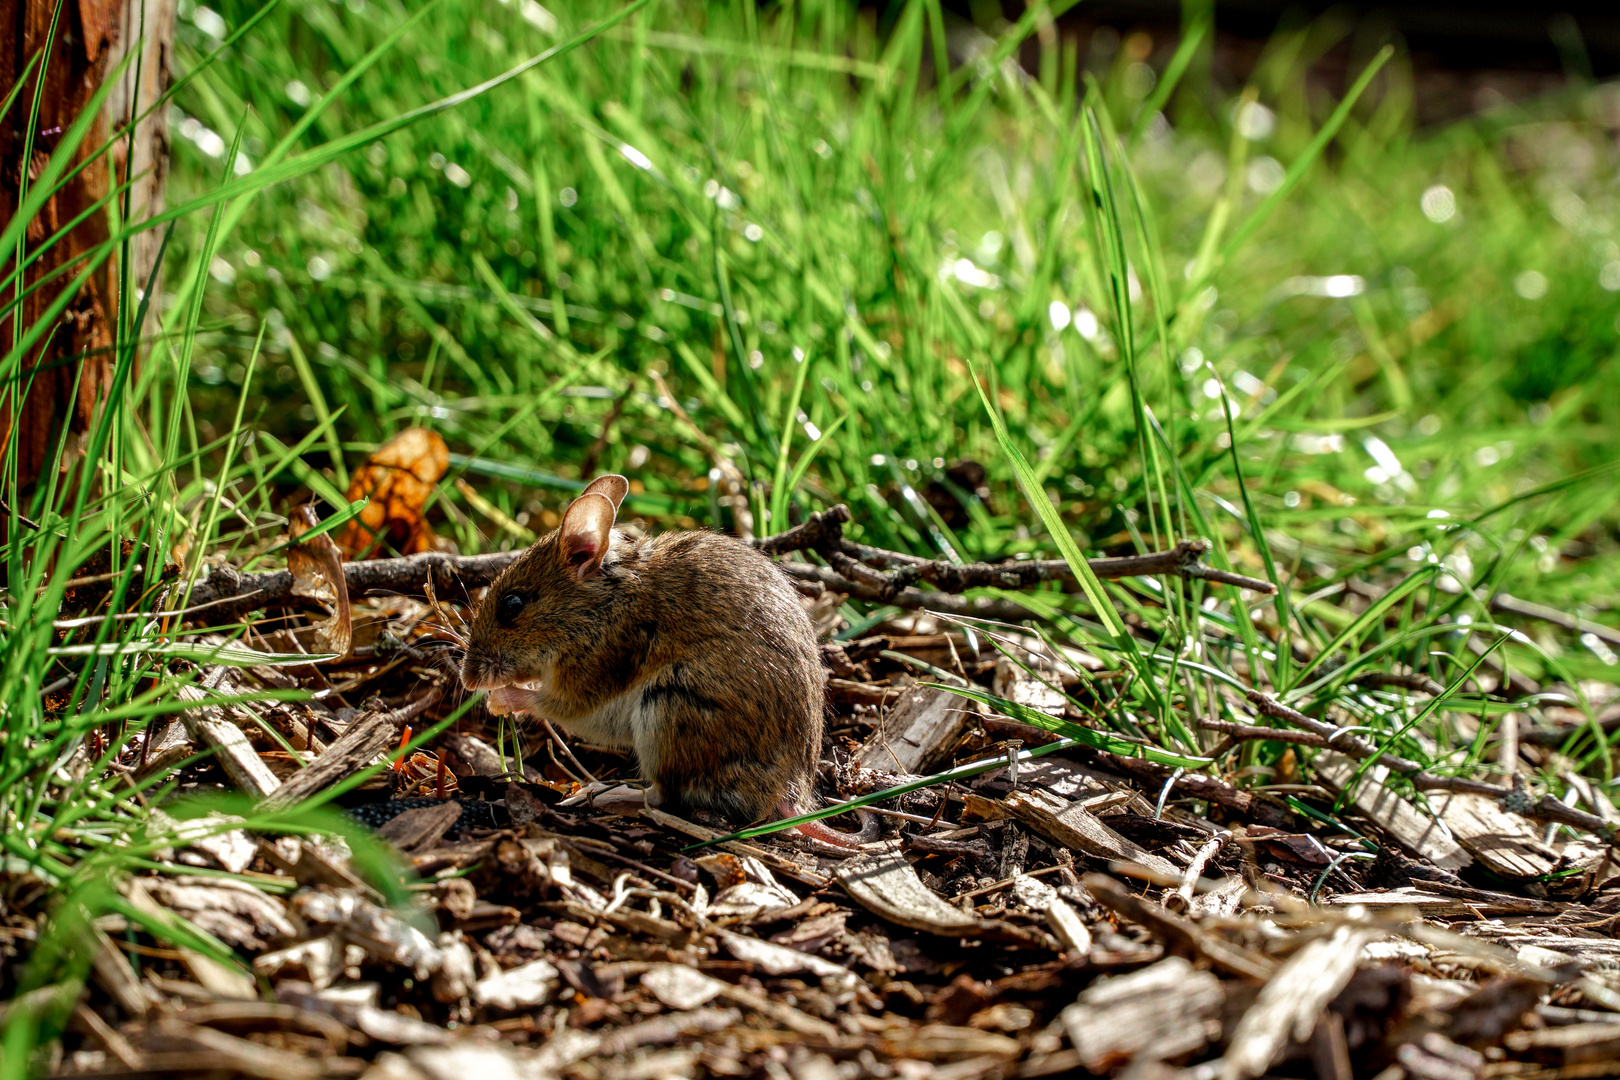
<point>508,607</point>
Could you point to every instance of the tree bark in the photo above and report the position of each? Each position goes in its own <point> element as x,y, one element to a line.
<point>64,377</point>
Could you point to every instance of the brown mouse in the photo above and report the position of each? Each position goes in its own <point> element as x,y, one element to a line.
<point>689,648</point>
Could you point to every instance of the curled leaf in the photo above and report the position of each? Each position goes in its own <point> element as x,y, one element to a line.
<point>317,569</point>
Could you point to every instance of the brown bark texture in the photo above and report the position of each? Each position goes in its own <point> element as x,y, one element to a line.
<point>90,39</point>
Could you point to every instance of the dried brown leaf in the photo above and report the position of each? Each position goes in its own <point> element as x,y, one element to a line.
<point>399,476</point>
<point>316,565</point>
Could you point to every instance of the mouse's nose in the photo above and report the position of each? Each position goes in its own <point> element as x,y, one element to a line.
<point>475,672</point>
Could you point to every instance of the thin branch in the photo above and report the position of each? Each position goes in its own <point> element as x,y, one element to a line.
<point>980,607</point>
<point>1241,732</point>
<point>1401,680</point>
<point>823,533</point>
<point>824,526</point>
<point>231,590</point>
<point>1512,799</point>
<point>850,571</point>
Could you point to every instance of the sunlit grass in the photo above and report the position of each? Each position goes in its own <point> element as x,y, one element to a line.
<point>1374,365</point>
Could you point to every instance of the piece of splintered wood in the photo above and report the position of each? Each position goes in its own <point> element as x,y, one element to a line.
<point>356,748</point>
<point>207,723</point>
<point>1502,842</point>
<point>1416,833</point>
<point>422,827</point>
<point>887,885</point>
<point>1165,1011</point>
<point>917,732</point>
<point>1180,935</point>
<point>1290,1004</point>
<point>1073,826</point>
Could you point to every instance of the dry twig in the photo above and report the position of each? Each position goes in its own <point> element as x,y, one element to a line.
<point>853,570</point>
<point>1513,799</point>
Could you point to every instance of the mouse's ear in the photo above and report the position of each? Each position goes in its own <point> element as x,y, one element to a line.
<point>614,486</point>
<point>582,539</point>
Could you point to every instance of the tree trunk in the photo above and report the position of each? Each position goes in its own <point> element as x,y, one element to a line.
<point>65,376</point>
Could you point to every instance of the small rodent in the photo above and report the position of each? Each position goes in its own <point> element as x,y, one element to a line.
<point>689,648</point>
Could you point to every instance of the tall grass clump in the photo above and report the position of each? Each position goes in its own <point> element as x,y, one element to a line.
<point>1335,344</point>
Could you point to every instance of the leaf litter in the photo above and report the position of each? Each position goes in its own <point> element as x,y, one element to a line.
<point>1074,899</point>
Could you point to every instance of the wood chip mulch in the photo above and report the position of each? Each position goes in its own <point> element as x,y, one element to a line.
<point>1079,913</point>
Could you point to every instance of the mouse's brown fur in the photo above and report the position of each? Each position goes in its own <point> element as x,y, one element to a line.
<point>690,648</point>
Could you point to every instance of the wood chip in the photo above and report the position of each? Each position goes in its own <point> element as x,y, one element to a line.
<point>783,1014</point>
<point>236,913</point>
<point>662,1030</point>
<point>354,750</point>
<point>1068,927</point>
<point>1290,1004</point>
<point>780,959</point>
<point>1017,685</point>
<point>1505,844</point>
<point>1078,782</point>
<point>466,1059</point>
<point>1416,833</point>
<point>680,987</point>
<point>422,827</point>
<point>888,886</point>
<point>377,930</point>
<point>233,849</point>
<point>219,979</point>
<point>944,1042</point>
<point>318,961</point>
<point>393,1066</point>
<point>360,1012</point>
<point>310,863</point>
<point>1077,828</point>
<point>1160,1012</point>
<point>209,725</point>
<point>917,732</point>
<point>522,987</point>
<point>1180,934</point>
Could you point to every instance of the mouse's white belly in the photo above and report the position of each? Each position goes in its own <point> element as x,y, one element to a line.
<point>622,722</point>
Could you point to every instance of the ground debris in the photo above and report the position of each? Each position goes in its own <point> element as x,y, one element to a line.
<point>1079,911</point>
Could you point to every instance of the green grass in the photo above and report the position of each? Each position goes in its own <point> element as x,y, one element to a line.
<point>780,214</point>
<point>711,194</point>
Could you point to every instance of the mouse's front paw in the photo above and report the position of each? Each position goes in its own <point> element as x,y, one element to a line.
<point>512,699</point>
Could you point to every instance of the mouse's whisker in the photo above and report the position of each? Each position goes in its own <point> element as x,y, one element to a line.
<point>439,634</point>
<point>447,661</point>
